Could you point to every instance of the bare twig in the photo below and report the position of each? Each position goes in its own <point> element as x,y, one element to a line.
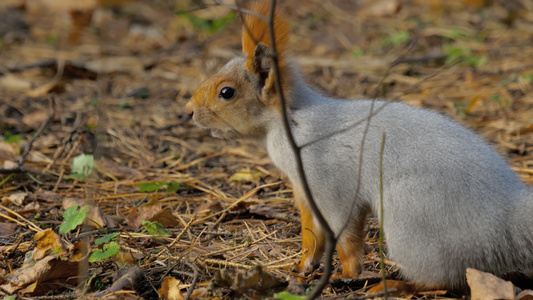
<point>381,217</point>
<point>329,235</point>
<point>194,279</point>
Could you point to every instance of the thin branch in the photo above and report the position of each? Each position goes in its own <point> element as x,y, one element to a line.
<point>328,232</point>
<point>381,217</point>
<point>194,279</point>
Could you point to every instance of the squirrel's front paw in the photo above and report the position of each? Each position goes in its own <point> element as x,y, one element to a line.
<point>307,266</point>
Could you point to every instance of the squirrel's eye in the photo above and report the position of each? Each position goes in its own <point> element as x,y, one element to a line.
<point>227,93</point>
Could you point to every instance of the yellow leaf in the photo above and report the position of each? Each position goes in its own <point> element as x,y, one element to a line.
<point>245,175</point>
<point>170,289</point>
<point>472,104</point>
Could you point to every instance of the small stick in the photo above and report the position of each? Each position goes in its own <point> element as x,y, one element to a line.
<point>381,235</point>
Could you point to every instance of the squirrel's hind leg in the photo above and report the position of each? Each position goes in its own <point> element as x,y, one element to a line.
<point>350,248</point>
<point>312,241</point>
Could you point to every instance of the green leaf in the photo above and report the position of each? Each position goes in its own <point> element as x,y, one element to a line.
<point>14,138</point>
<point>106,238</point>
<point>172,187</point>
<point>155,228</point>
<point>109,250</point>
<point>209,25</point>
<point>396,38</point>
<point>358,53</point>
<point>462,56</point>
<point>288,296</point>
<point>82,166</point>
<point>149,187</point>
<point>73,218</point>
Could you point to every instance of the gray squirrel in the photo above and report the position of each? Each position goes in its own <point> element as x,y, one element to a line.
<point>450,200</point>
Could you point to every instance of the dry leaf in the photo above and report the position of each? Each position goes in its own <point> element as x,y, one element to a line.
<point>245,175</point>
<point>170,289</point>
<point>14,83</point>
<point>16,198</point>
<point>35,119</point>
<point>473,104</point>
<point>49,196</point>
<point>47,242</point>
<point>487,286</point>
<point>45,88</point>
<point>49,273</point>
<point>7,229</point>
<point>123,259</point>
<point>382,8</point>
<point>525,295</point>
<point>151,212</point>
<point>8,151</point>
<point>8,164</point>
<point>200,293</point>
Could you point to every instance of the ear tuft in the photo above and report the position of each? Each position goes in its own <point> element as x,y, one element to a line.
<point>256,31</point>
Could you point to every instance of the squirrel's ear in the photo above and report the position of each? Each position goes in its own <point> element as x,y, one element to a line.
<point>260,67</point>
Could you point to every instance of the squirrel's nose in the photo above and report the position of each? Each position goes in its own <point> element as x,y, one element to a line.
<point>189,108</point>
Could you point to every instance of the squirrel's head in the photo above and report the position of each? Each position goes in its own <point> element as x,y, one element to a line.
<point>241,98</point>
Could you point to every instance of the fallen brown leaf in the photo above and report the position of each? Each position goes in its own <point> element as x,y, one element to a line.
<point>47,242</point>
<point>151,212</point>
<point>39,277</point>
<point>170,289</point>
<point>8,151</point>
<point>7,228</point>
<point>525,295</point>
<point>487,286</point>
<point>35,118</point>
<point>15,198</point>
<point>14,83</point>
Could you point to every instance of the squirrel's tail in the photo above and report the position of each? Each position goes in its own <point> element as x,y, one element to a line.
<point>256,31</point>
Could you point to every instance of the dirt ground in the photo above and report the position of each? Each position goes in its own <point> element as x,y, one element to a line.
<point>110,78</point>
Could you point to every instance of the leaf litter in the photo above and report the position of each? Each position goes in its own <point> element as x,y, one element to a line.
<point>117,83</point>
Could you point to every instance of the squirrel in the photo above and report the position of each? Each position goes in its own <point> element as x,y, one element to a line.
<point>450,201</point>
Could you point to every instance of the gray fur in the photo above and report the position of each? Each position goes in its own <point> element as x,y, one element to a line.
<point>450,201</point>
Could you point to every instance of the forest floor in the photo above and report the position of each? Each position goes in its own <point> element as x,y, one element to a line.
<point>92,97</point>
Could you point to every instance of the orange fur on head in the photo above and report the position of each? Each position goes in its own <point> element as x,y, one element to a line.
<point>255,30</point>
